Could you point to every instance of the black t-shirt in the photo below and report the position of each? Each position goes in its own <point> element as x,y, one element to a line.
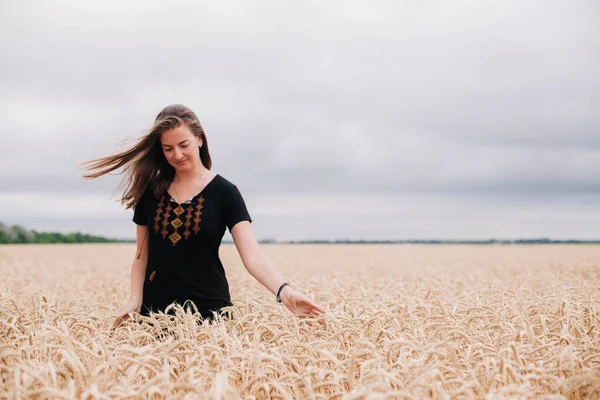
<point>183,246</point>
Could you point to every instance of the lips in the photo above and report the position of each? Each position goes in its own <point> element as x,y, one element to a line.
<point>182,162</point>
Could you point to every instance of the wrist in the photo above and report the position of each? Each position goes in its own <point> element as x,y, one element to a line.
<point>285,292</point>
<point>279,291</point>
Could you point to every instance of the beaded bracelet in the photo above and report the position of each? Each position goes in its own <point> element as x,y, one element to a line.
<point>279,292</point>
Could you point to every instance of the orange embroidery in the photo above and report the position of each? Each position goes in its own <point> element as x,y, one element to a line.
<point>165,222</point>
<point>187,224</point>
<point>158,212</point>
<point>175,237</point>
<point>177,222</point>
<point>179,210</point>
<point>152,275</point>
<point>198,213</point>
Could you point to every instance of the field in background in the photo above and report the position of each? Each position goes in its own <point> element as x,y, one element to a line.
<point>403,322</point>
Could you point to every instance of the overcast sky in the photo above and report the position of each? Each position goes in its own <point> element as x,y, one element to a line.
<point>336,119</point>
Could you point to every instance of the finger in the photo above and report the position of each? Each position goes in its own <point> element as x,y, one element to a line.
<point>315,312</point>
<point>319,318</point>
<point>315,306</point>
<point>311,319</point>
<point>317,309</point>
<point>310,311</point>
<point>321,309</point>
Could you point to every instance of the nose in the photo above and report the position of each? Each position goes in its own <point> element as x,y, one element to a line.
<point>177,154</point>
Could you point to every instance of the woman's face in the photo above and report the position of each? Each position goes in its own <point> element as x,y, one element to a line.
<point>180,147</point>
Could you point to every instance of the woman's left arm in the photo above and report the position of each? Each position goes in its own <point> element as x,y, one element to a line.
<point>261,268</point>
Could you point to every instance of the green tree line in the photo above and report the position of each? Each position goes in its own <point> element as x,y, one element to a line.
<point>18,234</point>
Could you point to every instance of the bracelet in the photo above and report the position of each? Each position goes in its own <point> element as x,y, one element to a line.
<point>279,292</point>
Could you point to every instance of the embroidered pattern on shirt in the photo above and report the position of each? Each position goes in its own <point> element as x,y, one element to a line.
<point>165,222</point>
<point>182,217</point>
<point>158,212</point>
<point>198,213</point>
<point>188,223</point>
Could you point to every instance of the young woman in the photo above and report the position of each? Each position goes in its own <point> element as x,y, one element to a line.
<point>181,209</point>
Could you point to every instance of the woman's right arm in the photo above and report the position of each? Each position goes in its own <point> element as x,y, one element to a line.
<point>138,267</point>
<point>138,275</point>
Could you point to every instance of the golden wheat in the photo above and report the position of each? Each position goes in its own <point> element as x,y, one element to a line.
<point>405,322</point>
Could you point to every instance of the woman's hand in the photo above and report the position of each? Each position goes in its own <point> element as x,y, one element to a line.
<point>299,304</point>
<point>125,312</point>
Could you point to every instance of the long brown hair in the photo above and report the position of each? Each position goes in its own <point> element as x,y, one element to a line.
<point>144,164</point>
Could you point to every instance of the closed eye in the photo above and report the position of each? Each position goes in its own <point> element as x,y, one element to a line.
<point>167,149</point>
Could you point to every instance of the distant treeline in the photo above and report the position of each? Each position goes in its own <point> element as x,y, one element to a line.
<point>18,234</point>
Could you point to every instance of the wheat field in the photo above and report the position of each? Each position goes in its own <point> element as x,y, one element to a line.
<point>405,322</point>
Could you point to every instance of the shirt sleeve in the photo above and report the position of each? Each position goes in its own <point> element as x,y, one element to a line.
<point>140,215</point>
<point>235,208</point>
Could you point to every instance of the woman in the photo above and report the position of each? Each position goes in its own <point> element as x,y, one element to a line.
<point>182,209</point>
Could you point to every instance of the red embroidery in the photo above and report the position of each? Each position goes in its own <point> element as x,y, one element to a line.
<point>198,213</point>
<point>187,224</point>
<point>158,212</point>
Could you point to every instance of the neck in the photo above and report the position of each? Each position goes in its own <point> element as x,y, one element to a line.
<point>192,175</point>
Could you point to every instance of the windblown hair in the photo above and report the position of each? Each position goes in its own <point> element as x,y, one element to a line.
<point>144,164</point>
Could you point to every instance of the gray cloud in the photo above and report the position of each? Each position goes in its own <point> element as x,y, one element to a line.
<point>309,98</point>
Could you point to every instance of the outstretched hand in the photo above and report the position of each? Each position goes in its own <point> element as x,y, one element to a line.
<point>298,303</point>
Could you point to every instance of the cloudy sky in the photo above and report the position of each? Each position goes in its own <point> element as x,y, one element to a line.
<point>336,119</point>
